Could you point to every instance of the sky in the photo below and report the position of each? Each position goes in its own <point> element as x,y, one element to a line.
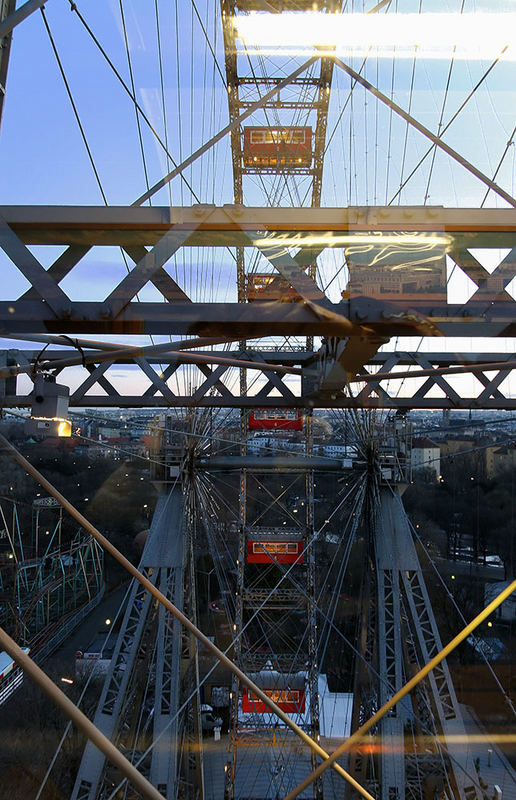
<point>370,152</point>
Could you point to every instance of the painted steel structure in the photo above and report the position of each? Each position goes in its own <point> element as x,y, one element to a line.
<point>47,308</point>
<point>45,583</point>
<point>6,11</point>
<point>374,387</point>
<point>407,636</point>
<point>133,665</point>
<point>353,330</point>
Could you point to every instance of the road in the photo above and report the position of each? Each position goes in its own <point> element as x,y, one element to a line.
<point>87,631</point>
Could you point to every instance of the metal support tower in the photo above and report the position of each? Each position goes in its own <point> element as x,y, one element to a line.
<point>128,689</point>
<point>399,634</point>
<point>192,735</point>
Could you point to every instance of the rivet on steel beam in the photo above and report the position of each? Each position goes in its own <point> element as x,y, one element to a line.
<point>201,209</point>
<point>234,209</point>
<point>106,312</point>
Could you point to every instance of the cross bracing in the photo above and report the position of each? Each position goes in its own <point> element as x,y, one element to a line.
<point>426,380</point>
<point>353,316</point>
<point>388,239</point>
<point>354,326</point>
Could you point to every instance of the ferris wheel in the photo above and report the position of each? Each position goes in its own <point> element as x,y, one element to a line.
<point>321,614</point>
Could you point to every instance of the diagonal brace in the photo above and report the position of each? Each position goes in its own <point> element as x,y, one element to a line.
<point>220,135</point>
<point>33,271</point>
<point>426,132</point>
<point>145,270</point>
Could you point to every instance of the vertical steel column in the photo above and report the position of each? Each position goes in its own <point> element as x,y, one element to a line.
<point>193,722</point>
<point>6,8</point>
<point>162,563</point>
<point>313,666</point>
<point>399,575</point>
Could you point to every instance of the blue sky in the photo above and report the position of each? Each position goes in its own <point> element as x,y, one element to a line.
<point>43,159</point>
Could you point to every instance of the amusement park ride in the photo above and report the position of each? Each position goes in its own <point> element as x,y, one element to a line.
<point>268,565</point>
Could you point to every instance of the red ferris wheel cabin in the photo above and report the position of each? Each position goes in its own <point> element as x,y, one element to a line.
<point>280,552</point>
<point>278,148</point>
<point>276,419</point>
<point>292,701</point>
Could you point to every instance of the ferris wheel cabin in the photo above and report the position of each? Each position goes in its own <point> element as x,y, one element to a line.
<point>283,419</point>
<point>287,691</point>
<point>278,148</point>
<point>267,286</point>
<point>280,552</point>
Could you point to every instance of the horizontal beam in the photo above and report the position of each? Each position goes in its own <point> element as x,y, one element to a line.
<point>261,319</point>
<point>246,321</point>
<point>133,225</point>
<point>249,403</point>
<point>291,357</point>
<point>385,381</point>
<point>293,463</point>
<point>185,401</point>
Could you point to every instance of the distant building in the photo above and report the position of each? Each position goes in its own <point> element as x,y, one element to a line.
<point>489,459</point>
<point>501,458</point>
<point>108,432</point>
<point>453,445</point>
<point>117,447</point>
<point>259,443</point>
<point>425,454</point>
<point>335,450</point>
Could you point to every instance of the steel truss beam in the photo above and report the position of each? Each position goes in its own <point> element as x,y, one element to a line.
<point>46,307</point>
<point>215,385</point>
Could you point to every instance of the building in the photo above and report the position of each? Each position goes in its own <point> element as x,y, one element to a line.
<point>425,454</point>
<point>501,459</point>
